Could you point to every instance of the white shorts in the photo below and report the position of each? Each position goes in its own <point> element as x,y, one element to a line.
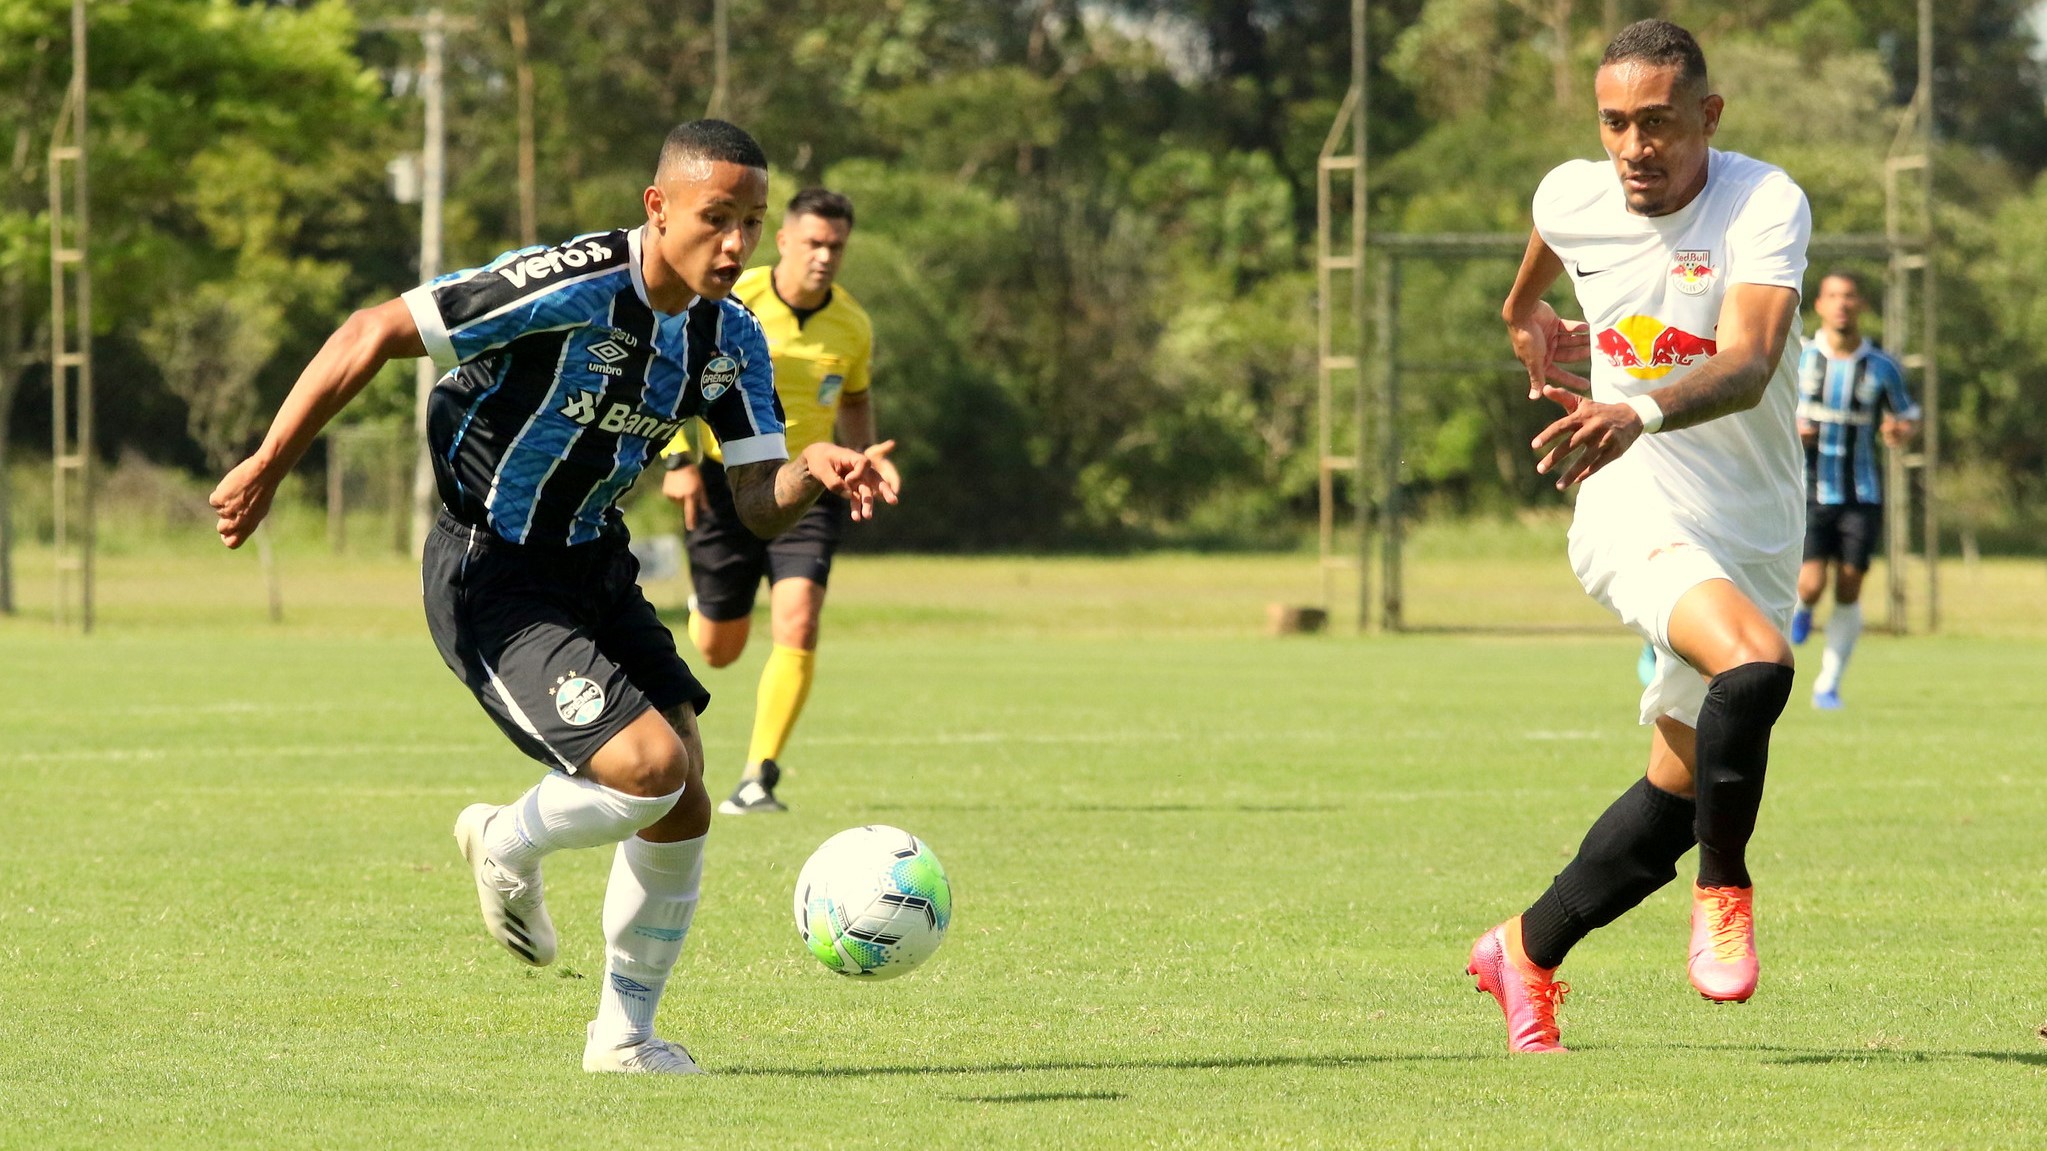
<point>1640,569</point>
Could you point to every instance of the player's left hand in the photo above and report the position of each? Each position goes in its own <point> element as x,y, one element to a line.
<point>851,475</point>
<point>1590,436</point>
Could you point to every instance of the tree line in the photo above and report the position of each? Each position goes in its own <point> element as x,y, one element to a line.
<point>1085,225</point>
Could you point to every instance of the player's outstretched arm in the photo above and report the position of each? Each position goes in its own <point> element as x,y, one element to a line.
<point>1541,339</point>
<point>1755,320</point>
<point>771,496</point>
<point>351,356</point>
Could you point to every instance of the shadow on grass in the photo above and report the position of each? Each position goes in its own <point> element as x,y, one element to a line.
<point>1215,1063</point>
<point>1126,808</point>
<point>1507,629</point>
<point>1045,1097</point>
<point>1795,1056</point>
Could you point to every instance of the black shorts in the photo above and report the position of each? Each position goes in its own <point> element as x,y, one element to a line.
<point>557,643</point>
<point>727,561</point>
<point>1846,533</point>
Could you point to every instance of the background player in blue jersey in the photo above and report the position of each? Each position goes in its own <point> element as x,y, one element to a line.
<point>1850,392</point>
<point>570,367</point>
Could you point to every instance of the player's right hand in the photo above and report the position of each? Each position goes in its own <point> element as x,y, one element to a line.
<point>1590,436</point>
<point>851,475</point>
<point>877,454</point>
<point>1542,340</point>
<point>684,487</point>
<point>241,501</point>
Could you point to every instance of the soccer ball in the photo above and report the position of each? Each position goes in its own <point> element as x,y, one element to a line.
<point>873,902</point>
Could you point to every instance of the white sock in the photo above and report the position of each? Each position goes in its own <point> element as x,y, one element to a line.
<point>647,910</point>
<point>1844,627</point>
<point>567,811</point>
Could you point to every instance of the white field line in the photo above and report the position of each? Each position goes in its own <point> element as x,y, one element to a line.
<point>299,751</point>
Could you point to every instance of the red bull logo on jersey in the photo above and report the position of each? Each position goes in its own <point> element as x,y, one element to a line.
<point>1647,349</point>
<point>1692,271</point>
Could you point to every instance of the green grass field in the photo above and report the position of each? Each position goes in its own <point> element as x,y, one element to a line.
<point>1214,889</point>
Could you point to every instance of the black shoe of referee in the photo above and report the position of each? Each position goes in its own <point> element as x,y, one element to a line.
<point>753,796</point>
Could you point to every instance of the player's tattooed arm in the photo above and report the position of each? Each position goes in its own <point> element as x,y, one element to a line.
<point>1755,320</point>
<point>771,496</point>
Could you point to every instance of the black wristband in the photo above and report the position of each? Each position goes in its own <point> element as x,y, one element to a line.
<point>675,460</point>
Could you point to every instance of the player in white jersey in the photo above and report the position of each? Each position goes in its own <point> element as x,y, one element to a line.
<point>1683,441</point>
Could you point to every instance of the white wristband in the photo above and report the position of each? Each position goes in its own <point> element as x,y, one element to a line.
<point>1645,407</point>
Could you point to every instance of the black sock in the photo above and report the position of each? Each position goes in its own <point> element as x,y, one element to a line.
<point>1742,704</point>
<point>1632,850</point>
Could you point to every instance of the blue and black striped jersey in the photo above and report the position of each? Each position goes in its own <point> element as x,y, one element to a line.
<point>1844,398</point>
<point>564,384</point>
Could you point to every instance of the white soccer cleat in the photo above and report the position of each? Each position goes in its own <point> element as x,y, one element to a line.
<point>514,908</point>
<point>648,1057</point>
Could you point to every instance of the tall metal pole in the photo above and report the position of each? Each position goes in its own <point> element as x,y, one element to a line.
<point>71,346</point>
<point>522,71</point>
<point>1390,608</point>
<point>433,186</point>
<point>720,39</point>
<point>1929,311</point>
<point>1343,150</point>
<point>1360,333</point>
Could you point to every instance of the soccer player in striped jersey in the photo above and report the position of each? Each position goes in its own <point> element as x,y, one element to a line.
<point>1850,392</point>
<point>569,367</point>
<point>823,346</point>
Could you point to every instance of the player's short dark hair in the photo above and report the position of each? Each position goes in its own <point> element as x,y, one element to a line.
<point>1854,278</point>
<point>710,142</point>
<point>1661,43</point>
<point>821,202</point>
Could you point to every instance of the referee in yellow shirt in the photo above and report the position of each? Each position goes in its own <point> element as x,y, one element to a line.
<point>822,344</point>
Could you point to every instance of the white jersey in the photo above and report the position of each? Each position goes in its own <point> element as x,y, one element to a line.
<point>1651,288</point>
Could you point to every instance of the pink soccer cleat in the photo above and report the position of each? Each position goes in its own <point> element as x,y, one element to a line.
<point>1529,995</point>
<point>1723,963</point>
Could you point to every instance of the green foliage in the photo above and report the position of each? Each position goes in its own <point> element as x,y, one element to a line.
<point>1085,228</point>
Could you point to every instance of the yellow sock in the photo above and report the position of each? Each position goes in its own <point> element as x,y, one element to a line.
<point>785,684</point>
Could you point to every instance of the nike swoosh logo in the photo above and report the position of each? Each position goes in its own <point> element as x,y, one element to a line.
<point>1585,275</point>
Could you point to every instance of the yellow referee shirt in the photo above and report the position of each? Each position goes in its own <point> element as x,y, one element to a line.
<point>818,358</point>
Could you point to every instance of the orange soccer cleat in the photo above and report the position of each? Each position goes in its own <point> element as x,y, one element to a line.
<point>1529,995</point>
<point>1723,963</point>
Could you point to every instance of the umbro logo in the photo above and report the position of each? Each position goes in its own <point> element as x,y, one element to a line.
<point>609,352</point>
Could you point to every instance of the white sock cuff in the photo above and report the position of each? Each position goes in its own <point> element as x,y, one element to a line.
<point>640,810</point>
<point>564,812</point>
<point>683,858</point>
